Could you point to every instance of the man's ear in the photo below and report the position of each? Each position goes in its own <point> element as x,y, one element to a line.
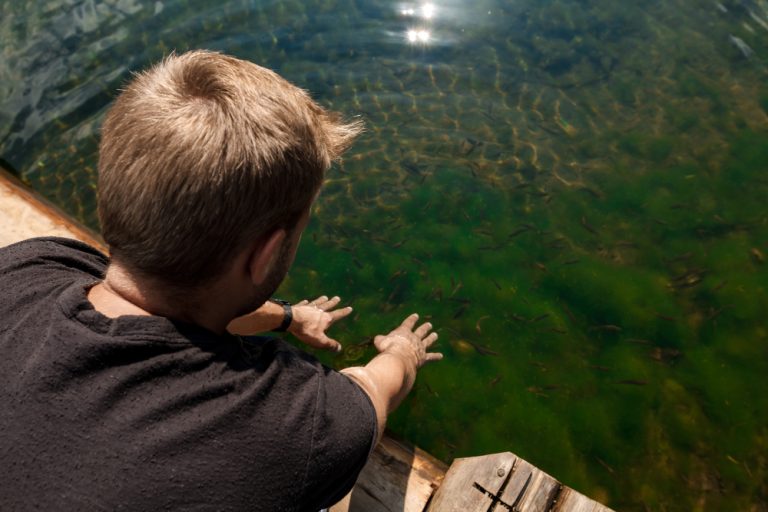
<point>264,256</point>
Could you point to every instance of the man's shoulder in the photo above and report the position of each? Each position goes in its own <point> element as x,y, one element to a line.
<point>52,253</point>
<point>49,245</point>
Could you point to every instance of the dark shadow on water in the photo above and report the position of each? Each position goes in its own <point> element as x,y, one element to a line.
<point>7,166</point>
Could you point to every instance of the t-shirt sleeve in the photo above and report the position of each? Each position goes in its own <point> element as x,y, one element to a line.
<point>343,437</point>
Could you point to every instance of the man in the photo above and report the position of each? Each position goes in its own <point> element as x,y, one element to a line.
<point>123,382</point>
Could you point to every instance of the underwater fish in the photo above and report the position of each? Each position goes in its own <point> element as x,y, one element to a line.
<point>665,355</point>
<point>587,226</point>
<point>399,244</point>
<point>638,341</point>
<point>460,311</point>
<point>517,317</point>
<point>536,391</point>
<point>760,21</point>
<point>568,312</point>
<point>430,390</point>
<point>479,320</point>
<point>519,231</point>
<point>483,351</point>
<point>634,382</point>
<point>472,143</point>
<point>604,464</point>
<point>412,167</point>
<point>418,261</point>
<point>466,346</point>
<point>688,279</point>
<point>742,46</point>
<point>607,327</point>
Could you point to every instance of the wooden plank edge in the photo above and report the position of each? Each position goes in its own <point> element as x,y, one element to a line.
<point>49,211</point>
<point>398,477</point>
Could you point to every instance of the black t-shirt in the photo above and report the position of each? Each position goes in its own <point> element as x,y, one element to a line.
<point>142,413</point>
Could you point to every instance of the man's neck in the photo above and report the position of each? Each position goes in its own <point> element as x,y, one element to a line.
<point>121,294</point>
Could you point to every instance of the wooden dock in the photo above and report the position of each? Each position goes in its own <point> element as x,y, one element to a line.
<point>399,477</point>
<point>25,214</point>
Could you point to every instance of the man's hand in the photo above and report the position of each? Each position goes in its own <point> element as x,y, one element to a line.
<point>312,319</point>
<point>410,342</point>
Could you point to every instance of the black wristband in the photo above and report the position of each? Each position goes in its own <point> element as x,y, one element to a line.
<point>287,315</point>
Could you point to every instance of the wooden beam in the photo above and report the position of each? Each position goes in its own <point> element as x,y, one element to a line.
<point>25,214</point>
<point>399,477</point>
<point>504,482</point>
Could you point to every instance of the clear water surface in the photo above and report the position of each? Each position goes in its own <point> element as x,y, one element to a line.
<point>573,190</point>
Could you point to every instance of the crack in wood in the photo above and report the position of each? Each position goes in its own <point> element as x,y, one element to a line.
<point>496,498</point>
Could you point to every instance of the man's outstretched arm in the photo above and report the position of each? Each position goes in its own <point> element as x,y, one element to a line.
<point>311,320</point>
<point>389,376</point>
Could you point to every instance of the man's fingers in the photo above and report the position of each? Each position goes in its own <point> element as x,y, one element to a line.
<point>429,340</point>
<point>326,343</point>
<point>423,329</point>
<point>319,300</point>
<point>433,356</point>
<point>340,313</point>
<point>302,303</point>
<point>410,321</point>
<point>331,344</point>
<point>330,303</point>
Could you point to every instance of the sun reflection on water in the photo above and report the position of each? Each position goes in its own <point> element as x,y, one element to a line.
<point>426,11</point>
<point>418,36</point>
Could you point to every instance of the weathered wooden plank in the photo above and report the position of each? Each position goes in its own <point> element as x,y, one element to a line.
<point>504,482</point>
<point>518,483</point>
<point>472,483</point>
<point>572,501</point>
<point>24,214</point>
<point>530,489</point>
<point>544,491</point>
<point>398,477</point>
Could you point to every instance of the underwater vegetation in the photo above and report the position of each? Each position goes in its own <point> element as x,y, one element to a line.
<point>573,191</point>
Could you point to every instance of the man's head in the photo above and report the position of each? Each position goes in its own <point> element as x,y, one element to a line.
<point>203,155</point>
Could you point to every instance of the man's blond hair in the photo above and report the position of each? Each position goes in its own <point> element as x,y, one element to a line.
<point>203,154</point>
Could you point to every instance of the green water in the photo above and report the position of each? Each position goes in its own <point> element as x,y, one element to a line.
<point>573,191</point>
